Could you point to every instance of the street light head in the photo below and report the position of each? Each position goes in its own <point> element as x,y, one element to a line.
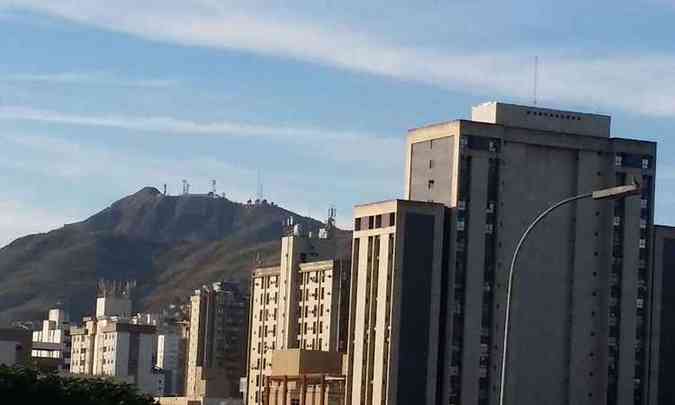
<point>617,192</point>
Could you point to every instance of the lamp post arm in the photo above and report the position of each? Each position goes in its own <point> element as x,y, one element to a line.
<point>538,219</point>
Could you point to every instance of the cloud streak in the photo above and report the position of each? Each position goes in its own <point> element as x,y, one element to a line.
<point>89,79</point>
<point>345,145</point>
<point>636,82</point>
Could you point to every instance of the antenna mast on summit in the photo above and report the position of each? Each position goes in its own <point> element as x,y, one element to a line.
<point>259,194</point>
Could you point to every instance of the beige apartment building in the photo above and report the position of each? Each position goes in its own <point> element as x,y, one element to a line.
<point>116,348</point>
<point>396,304</point>
<point>115,345</point>
<point>301,303</point>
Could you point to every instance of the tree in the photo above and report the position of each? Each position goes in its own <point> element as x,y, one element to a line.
<point>21,385</point>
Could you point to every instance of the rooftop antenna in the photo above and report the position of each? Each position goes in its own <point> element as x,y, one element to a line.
<point>536,78</point>
<point>213,188</point>
<point>164,188</point>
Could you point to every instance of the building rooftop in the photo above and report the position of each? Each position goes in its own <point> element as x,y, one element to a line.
<point>545,119</point>
<point>262,271</point>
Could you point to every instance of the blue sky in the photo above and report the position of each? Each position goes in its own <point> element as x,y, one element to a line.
<point>100,98</point>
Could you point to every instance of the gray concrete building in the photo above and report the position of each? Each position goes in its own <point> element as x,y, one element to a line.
<point>662,364</point>
<point>579,326</point>
<point>216,352</point>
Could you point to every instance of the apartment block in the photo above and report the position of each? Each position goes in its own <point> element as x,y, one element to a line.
<point>581,299</point>
<point>396,309</point>
<point>117,345</point>
<point>662,364</point>
<point>323,305</point>
<point>52,341</point>
<point>172,359</point>
<point>116,348</point>
<point>300,303</point>
<point>217,339</point>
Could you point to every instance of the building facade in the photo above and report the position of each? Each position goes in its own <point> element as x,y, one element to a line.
<point>662,364</point>
<point>117,345</point>
<point>116,348</point>
<point>301,303</point>
<point>216,344</point>
<point>309,377</point>
<point>396,303</point>
<point>172,360</point>
<point>15,347</point>
<point>580,305</point>
<point>53,340</point>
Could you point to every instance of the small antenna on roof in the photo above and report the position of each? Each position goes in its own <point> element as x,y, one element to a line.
<point>536,78</point>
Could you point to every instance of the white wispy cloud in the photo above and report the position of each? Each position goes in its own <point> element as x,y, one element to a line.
<point>90,78</point>
<point>631,81</point>
<point>20,218</point>
<point>344,145</point>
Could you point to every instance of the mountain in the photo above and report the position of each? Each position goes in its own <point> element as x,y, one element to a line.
<point>169,244</point>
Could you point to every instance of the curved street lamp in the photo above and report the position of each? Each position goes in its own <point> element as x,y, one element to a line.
<point>613,193</point>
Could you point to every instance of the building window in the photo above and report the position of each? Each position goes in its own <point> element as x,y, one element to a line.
<point>357,224</point>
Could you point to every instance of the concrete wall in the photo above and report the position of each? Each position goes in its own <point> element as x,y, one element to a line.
<point>15,347</point>
<point>297,362</point>
<point>662,353</point>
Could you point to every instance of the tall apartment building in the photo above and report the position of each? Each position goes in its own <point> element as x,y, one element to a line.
<point>396,312</point>
<point>578,326</point>
<point>115,345</point>
<point>216,344</point>
<point>662,364</point>
<point>581,297</point>
<point>53,340</point>
<point>301,303</point>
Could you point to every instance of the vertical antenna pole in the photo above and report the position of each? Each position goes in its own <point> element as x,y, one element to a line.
<point>536,78</point>
<point>260,187</point>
